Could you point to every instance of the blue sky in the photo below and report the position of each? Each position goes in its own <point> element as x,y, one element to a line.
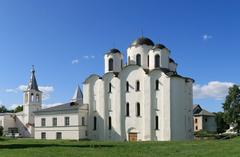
<point>203,37</point>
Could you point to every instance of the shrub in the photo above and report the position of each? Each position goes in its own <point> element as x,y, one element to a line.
<point>1,130</point>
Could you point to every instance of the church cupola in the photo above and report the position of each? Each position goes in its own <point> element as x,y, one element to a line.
<point>158,57</point>
<point>78,96</point>
<point>32,98</point>
<point>113,61</point>
<point>137,52</point>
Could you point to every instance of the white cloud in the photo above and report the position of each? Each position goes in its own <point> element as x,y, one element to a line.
<point>13,106</point>
<point>75,61</point>
<point>207,37</point>
<point>89,57</point>
<point>51,105</point>
<point>47,90</point>
<point>215,90</point>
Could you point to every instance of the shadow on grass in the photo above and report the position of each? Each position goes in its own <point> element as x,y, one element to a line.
<point>23,146</point>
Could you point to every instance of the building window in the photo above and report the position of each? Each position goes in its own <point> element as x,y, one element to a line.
<point>54,121</point>
<point>109,123</point>
<point>205,119</point>
<point>157,61</point>
<point>156,123</point>
<point>196,120</point>
<point>138,59</point>
<point>137,86</point>
<point>94,123</point>
<point>127,86</point>
<point>110,88</point>
<point>67,121</point>
<point>37,98</point>
<point>127,109</point>
<point>83,121</point>
<point>43,122</point>
<point>138,110</point>
<point>110,64</point>
<point>32,97</point>
<point>58,135</point>
<point>148,60</point>
<point>157,84</point>
<point>43,135</point>
<point>196,128</point>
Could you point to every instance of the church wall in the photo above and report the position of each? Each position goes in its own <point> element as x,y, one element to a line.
<point>7,121</point>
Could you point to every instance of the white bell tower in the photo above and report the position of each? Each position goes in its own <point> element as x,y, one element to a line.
<point>32,99</point>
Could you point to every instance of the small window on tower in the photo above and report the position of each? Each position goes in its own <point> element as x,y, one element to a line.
<point>157,61</point>
<point>138,110</point>
<point>127,86</point>
<point>157,84</point>
<point>110,64</point>
<point>110,88</point>
<point>137,86</point>
<point>138,59</point>
<point>32,97</point>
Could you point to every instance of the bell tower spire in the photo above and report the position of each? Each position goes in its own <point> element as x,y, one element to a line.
<point>32,99</point>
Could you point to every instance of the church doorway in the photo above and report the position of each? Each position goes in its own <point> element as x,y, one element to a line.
<point>132,136</point>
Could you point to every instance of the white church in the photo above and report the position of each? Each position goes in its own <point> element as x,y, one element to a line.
<point>142,100</point>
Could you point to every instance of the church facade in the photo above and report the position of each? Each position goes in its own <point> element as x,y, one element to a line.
<point>144,100</point>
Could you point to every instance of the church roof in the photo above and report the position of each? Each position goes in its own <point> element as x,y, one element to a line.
<point>32,85</point>
<point>198,111</point>
<point>67,107</point>
<point>113,51</point>
<point>158,46</point>
<point>78,96</point>
<point>142,41</point>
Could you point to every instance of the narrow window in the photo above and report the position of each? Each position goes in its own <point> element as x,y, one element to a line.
<point>32,97</point>
<point>127,86</point>
<point>95,123</point>
<point>43,122</point>
<point>110,88</point>
<point>54,121</point>
<point>196,120</point>
<point>148,60</point>
<point>137,86</point>
<point>109,123</point>
<point>43,135</point>
<point>196,128</point>
<point>138,59</point>
<point>110,64</point>
<point>157,84</point>
<point>58,135</point>
<point>157,61</point>
<point>138,110</point>
<point>156,123</point>
<point>37,98</point>
<point>127,109</point>
<point>83,121</point>
<point>67,121</point>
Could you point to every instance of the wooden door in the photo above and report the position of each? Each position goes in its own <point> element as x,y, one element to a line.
<point>132,136</point>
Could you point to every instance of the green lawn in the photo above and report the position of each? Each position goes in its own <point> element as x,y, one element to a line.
<point>43,148</point>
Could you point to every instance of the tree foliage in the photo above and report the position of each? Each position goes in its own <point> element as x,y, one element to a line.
<point>18,109</point>
<point>222,126</point>
<point>231,106</point>
<point>3,109</point>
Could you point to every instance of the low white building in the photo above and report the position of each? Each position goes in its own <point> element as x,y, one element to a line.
<point>66,121</point>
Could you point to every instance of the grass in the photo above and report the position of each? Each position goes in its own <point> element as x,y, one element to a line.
<point>63,148</point>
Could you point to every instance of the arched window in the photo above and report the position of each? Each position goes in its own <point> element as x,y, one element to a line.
<point>157,61</point>
<point>83,121</point>
<point>94,123</point>
<point>32,97</point>
<point>148,60</point>
<point>137,86</point>
<point>37,98</point>
<point>110,64</point>
<point>127,109</point>
<point>110,123</point>
<point>127,86</point>
<point>157,84</point>
<point>110,88</point>
<point>156,123</point>
<point>138,59</point>
<point>138,110</point>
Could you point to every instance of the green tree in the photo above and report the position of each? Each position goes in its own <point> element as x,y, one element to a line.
<point>231,106</point>
<point>18,109</point>
<point>3,109</point>
<point>222,126</point>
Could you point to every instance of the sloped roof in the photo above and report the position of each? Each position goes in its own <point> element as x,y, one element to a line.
<point>32,85</point>
<point>198,111</point>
